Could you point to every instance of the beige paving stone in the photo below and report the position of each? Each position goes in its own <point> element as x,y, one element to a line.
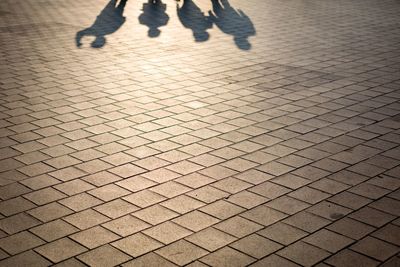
<point>101,178</point>
<point>306,221</point>
<point>372,216</point>
<point>227,257</point>
<point>389,233</point>
<point>210,239</point>
<point>126,225</point>
<point>40,181</point>
<point>274,261</point>
<point>15,205</point>
<point>269,190</point>
<point>50,212</point>
<point>86,219</point>
<point>256,246</point>
<point>155,214</point>
<point>74,187</point>
<point>375,248</point>
<point>20,242</point>
<point>264,215</point>
<point>13,190</point>
<point>116,208</point>
<point>60,250</point>
<point>94,237</point>
<point>17,223</point>
<point>207,194</point>
<point>54,230</point>
<point>350,258</point>
<point>303,254</point>
<point>222,209</point>
<point>328,240</point>
<point>109,192</point>
<point>44,196</point>
<point>181,252</point>
<point>147,260</point>
<point>144,198</point>
<point>194,180</point>
<point>28,258</point>
<point>254,176</point>
<point>170,189</point>
<point>351,228</point>
<point>238,226</point>
<point>136,183</point>
<point>287,205</point>
<point>282,233</point>
<point>309,195</point>
<point>80,202</point>
<point>182,204</point>
<point>247,199</point>
<point>167,232</point>
<point>137,244</point>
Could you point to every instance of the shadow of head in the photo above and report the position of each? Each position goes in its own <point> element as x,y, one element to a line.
<point>242,42</point>
<point>98,42</point>
<point>153,32</point>
<point>201,36</point>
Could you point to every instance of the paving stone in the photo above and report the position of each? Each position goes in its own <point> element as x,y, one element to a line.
<point>296,139</point>
<point>181,252</point>
<point>17,223</point>
<point>126,225</point>
<point>104,256</point>
<point>155,214</point>
<point>20,242</point>
<point>282,233</point>
<point>86,219</point>
<point>256,246</point>
<point>227,257</point>
<point>328,240</point>
<point>304,254</point>
<point>349,258</point>
<point>94,237</point>
<point>60,250</point>
<point>375,248</point>
<point>167,232</point>
<point>137,244</point>
<point>28,258</point>
<point>149,259</point>
<point>210,239</point>
<point>351,228</point>
<point>50,212</point>
<point>274,261</point>
<point>54,230</point>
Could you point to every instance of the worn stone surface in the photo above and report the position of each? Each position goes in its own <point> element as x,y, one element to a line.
<point>207,132</point>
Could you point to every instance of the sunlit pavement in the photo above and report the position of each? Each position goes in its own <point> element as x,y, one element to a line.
<point>208,133</point>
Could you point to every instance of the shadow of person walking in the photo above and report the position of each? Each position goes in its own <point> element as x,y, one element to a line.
<point>107,22</point>
<point>191,17</point>
<point>154,17</point>
<point>232,22</point>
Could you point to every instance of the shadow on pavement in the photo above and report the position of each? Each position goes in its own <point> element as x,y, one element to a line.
<point>154,17</point>
<point>191,17</point>
<point>233,22</point>
<point>107,22</point>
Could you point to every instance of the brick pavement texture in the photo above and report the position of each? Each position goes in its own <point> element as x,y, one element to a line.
<point>200,133</point>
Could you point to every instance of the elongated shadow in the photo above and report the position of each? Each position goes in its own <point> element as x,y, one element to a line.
<point>107,22</point>
<point>191,17</point>
<point>154,17</point>
<point>233,22</point>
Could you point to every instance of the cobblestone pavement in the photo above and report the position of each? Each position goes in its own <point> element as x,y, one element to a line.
<point>230,133</point>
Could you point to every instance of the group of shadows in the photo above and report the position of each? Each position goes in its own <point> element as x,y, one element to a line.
<point>223,15</point>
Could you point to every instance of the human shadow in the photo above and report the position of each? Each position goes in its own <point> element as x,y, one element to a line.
<point>154,17</point>
<point>191,17</point>
<point>107,22</point>
<point>233,22</point>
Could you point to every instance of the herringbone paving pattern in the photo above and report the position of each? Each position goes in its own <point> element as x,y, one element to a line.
<point>200,133</point>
